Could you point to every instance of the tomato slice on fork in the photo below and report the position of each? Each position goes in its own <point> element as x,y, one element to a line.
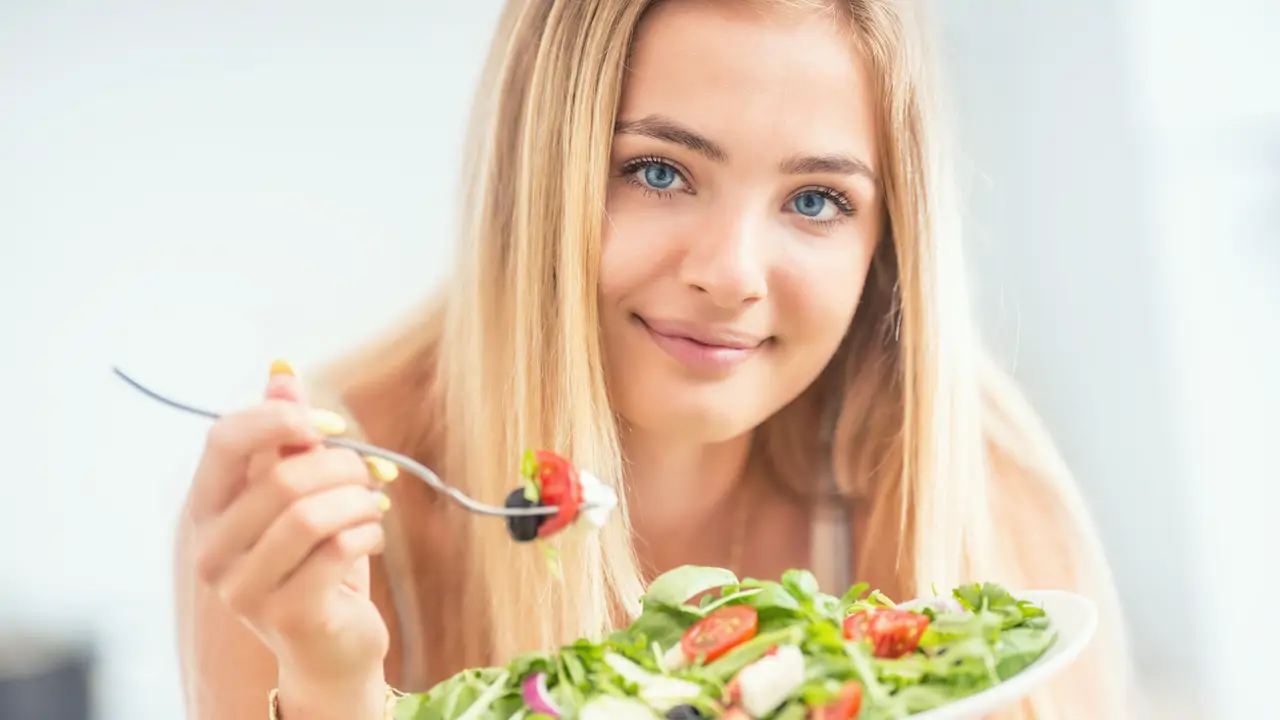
<point>558,486</point>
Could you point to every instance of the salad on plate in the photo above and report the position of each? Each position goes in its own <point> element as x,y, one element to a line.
<point>708,645</point>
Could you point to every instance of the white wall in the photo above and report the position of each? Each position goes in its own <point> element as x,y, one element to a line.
<point>1211,122</point>
<point>190,191</point>
<point>1124,174</point>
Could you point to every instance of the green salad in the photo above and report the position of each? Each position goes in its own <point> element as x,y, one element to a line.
<point>707,644</point>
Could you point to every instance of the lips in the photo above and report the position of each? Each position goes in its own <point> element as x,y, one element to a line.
<point>704,349</point>
<point>709,335</point>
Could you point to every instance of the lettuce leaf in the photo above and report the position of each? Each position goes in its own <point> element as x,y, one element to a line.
<point>677,587</point>
<point>994,637</point>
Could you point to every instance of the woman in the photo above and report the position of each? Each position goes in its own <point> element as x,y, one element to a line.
<point>708,254</point>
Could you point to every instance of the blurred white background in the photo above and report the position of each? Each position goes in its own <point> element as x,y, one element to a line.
<point>189,191</point>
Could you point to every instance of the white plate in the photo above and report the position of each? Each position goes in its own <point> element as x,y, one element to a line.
<point>1076,619</point>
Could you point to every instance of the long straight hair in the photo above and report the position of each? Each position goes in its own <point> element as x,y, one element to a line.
<point>509,355</point>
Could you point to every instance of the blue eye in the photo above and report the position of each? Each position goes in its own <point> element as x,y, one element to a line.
<point>655,175</point>
<point>809,204</point>
<point>660,176</point>
<point>820,205</point>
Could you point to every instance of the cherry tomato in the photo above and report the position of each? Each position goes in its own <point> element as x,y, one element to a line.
<point>846,706</point>
<point>558,486</point>
<point>721,631</point>
<point>892,633</point>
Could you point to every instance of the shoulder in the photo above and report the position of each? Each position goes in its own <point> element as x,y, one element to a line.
<point>1048,532</point>
<point>388,405</point>
<point>1046,539</point>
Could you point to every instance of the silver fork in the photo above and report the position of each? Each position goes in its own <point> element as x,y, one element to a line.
<point>414,467</point>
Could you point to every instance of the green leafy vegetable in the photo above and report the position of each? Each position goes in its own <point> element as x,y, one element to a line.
<point>993,637</point>
<point>677,587</point>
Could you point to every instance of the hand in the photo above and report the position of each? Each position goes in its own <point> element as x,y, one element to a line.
<point>284,527</point>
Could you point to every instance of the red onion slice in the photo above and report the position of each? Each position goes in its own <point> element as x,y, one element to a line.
<point>533,690</point>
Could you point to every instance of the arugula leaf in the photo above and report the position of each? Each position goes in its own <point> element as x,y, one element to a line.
<point>855,593</point>
<point>661,624</point>
<point>800,583</point>
<point>771,596</point>
<point>994,598</point>
<point>1019,647</point>
<point>995,636</point>
<point>465,696</point>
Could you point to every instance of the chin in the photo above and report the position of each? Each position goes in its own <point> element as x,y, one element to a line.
<point>700,420</point>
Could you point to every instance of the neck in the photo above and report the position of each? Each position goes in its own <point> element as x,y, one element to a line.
<point>680,495</point>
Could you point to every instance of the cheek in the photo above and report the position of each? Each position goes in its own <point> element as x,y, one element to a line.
<point>819,300</point>
<point>636,244</point>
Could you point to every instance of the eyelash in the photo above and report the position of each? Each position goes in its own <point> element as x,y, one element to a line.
<point>631,167</point>
<point>839,199</point>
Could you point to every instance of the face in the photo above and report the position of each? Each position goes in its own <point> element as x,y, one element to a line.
<point>742,216</point>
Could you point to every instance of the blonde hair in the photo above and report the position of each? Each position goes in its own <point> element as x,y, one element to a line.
<point>933,448</point>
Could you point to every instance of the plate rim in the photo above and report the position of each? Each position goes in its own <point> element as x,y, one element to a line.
<point>1036,673</point>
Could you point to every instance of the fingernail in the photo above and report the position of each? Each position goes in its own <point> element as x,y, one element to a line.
<point>384,502</point>
<point>327,422</point>
<point>281,367</point>
<point>382,469</point>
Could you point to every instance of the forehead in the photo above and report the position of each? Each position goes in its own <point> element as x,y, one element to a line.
<point>755,80</point>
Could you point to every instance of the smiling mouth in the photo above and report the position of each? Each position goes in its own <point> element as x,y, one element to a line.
<point>700,348</point>
<point>703,335</point>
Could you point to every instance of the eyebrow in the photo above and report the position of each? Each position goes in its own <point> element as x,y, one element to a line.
<point>660,127</point>
<point>829,164</point>
<point>663,128</point>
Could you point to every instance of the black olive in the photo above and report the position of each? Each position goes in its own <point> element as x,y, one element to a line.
<point>684,712</point>
<point>523,529</point>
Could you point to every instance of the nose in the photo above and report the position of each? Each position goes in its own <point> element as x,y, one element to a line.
<point>725,262</point>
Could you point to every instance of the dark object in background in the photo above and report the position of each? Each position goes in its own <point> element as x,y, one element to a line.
<point>44,678</point>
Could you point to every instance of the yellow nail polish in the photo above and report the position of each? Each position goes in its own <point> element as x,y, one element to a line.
<point>327,422</point>
<point>384,502</point>
<point>382,469</point>
<point>281,367</point>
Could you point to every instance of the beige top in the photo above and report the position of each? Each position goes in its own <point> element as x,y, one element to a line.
<point>831,548</point>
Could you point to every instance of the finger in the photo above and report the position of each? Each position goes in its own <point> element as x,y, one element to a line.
<point>273,486</point>
<point>283,383</point>
<point>234,439</point>
<point>261,465</point>
<point>291,537</point>
<point>330,564</point>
